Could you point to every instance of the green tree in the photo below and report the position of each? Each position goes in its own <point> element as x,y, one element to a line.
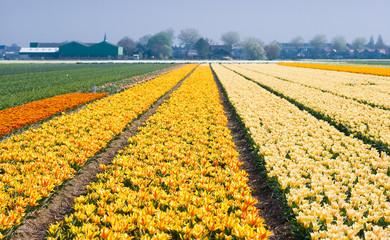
<point>272,50</point>
<point>203,48</point>
<point>371,43</point>
<point>379,43</point>
<point>359,43</point>
<point>254,51</point>
<point>339,44</point>
<point>318,41</point>
<point>160,45</point>
<point>231,38</point>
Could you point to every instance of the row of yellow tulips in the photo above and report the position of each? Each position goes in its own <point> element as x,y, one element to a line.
<point>177,179</point>
<point>370,89</point>
<point>370,122</point>
<point>337,186</point>
<point>34,163</point>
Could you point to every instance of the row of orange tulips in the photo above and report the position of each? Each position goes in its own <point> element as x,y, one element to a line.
<point>16,117</point>
<point>177,179</point>
<point>353,69</point>
<point>34,163</point>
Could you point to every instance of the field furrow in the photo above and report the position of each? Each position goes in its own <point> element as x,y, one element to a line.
<point>337,186</point>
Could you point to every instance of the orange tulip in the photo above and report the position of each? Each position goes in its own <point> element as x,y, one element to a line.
<point>365,70</point>
<point>13,118</point>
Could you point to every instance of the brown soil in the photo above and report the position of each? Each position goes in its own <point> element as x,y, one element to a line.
<point>271,209</point>
<point>60,205</point>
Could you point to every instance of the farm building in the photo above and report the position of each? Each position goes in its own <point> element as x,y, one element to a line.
<point>73,50</point>
<point>40,53</point>
<point>90,50</point>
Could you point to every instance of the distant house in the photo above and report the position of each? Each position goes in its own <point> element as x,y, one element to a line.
<point>221,51</point>
<point>2,51</point>
<point>179,52</point>
<point>383,51</point>
<point>73,50</point>
<point>9,52</point>
<point>183,52</point>
<point>304,46</point>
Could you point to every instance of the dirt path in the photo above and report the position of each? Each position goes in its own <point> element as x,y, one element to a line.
<point>271,209</point>
<point>60,205</point>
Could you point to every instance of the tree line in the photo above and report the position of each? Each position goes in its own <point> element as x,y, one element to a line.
<point>338,47</point>
<point>193,45</point>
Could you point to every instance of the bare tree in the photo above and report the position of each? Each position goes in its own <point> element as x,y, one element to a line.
<point>171,32</point>
<point>128,44</point>
<point>297,42</point>
<point>318,41</point>
<point>254,40</point>
<point>144,39</point>
<point>231,38</point>
<point>188,37</point>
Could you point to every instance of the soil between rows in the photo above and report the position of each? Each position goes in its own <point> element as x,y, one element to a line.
<point>36,223</point>
<point>271,209</point>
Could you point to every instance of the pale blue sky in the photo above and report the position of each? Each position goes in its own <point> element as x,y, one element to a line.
<point>24,21</point>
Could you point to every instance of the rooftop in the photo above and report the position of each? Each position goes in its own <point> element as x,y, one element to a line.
<point>39,50</point>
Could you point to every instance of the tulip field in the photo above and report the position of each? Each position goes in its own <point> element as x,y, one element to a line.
<point>337,186</point>
<point>366,70</point>
<point>16,117</point>
<point>23,83</point>
<point>368,89</point>
<point>320,135</point>
<point>34,163</point>
<point>178,177</point>
<point>371,123</point>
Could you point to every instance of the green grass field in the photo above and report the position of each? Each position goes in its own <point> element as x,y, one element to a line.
<point>17,68</point>
<point>23,83</point>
